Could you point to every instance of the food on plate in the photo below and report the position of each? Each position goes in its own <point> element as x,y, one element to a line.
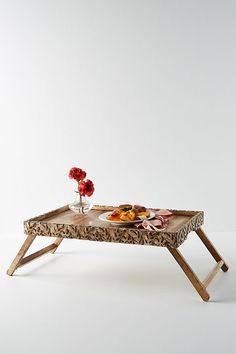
<point>139,208</point>
<point>128,212</point>
<point>128,215</point>
<point>144,213</point>
<point>125,207</point>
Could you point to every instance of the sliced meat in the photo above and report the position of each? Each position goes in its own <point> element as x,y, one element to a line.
<point>163,212</point>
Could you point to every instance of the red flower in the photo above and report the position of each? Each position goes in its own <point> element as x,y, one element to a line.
<point>77,174</point>
<point>86,188</point>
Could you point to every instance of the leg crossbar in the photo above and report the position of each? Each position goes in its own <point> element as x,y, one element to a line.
<point>200,286</point>
<point>20,260</point>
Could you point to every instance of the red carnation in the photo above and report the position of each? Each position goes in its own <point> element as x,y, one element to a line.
<point>86,188</point>
<point>77,173</point>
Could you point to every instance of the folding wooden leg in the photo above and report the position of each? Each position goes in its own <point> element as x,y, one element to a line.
<point>198,285</point>
<point>211,249</point>
<point>20,260</point>
<point>24,248</point>
<point>201,286</point>
<point>57,242</point>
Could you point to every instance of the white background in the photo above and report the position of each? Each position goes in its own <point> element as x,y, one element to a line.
<point>140,94</point>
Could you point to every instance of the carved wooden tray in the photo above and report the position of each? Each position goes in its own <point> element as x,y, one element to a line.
<point>63,222</point>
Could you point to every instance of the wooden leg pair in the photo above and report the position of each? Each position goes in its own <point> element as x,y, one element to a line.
<point>200,286</point>
<point>20,260</point>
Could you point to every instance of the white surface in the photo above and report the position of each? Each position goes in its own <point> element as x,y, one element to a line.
<point>141,94</point>
<point>104,216</point>
<point>101,298</point>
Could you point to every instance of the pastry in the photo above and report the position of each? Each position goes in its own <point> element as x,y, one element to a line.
<point>128,212</point>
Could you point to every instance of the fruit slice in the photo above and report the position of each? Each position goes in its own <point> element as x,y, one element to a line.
<point>144,213</point>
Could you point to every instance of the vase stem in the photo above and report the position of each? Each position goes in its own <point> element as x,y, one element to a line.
<point>81,203</point>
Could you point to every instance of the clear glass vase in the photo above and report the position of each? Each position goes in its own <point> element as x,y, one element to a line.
<point>81,205</point>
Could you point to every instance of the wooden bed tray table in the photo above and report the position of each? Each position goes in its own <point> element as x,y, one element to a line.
<point>63,223</point>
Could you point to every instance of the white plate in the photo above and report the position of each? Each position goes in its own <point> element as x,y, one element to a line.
<point>103,217</point>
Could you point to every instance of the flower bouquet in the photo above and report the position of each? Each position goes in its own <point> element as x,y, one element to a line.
<point>85,188</point>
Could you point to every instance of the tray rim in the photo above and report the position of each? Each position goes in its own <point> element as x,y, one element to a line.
<point>107,208</point>
<point>40,218</point>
